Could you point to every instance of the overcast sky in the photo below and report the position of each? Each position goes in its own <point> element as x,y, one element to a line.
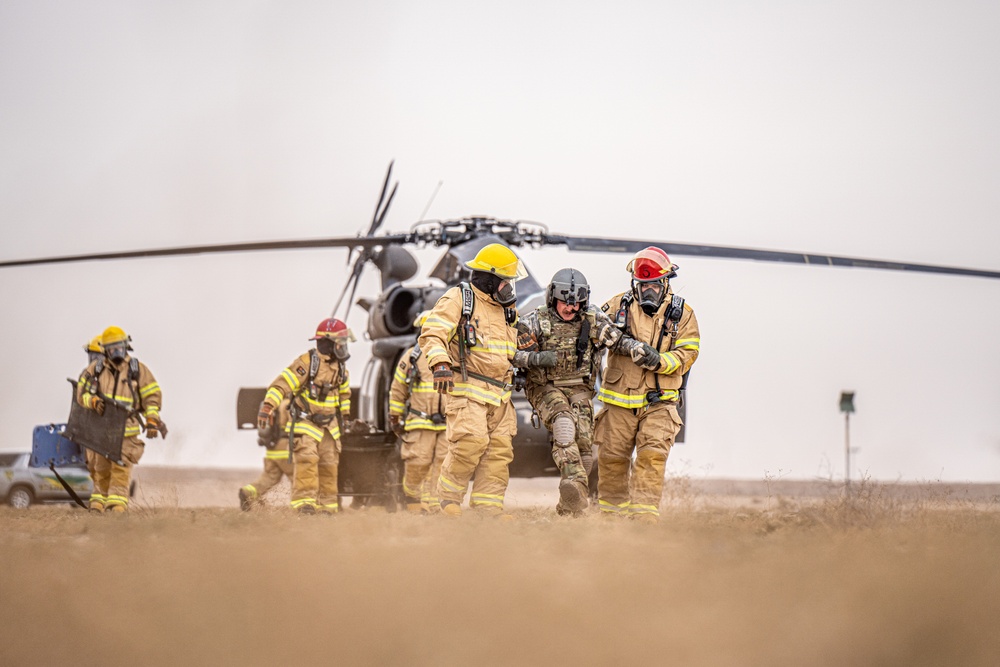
<point>855,128</point>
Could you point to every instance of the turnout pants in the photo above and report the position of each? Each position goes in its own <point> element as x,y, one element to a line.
<point>423,453</point>
<point>479,448</point>
<point>97,497</point>
<point>113,480</point>
<point>276,466</point>
<point>624,486</point>
<point>314,478</point>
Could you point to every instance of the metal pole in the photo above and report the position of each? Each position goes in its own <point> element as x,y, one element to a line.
<point>847,451</point>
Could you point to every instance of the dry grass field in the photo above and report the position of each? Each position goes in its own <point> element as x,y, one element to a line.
<point>762,573</point>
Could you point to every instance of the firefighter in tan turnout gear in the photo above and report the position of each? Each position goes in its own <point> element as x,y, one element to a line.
<point>124,379</point>
<point>276,460</point>
<point>640,404</point>
<point>470,341</point>
<point>94,352</point>
<point>318,389</point>
<point>417,415</point>
<point>576,332</point>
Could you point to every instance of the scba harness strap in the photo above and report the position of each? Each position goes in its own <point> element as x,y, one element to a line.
<point>132,378</point>
<point>412,376</point>
<point>671,319</point>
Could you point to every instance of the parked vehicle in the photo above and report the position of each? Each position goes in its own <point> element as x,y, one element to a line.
<point>22,486</point>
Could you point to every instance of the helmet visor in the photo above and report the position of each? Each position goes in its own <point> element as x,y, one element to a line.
<point>651,264</point>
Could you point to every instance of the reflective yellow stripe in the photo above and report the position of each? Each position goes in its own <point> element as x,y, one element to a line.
<point>399,376</point>
<point>123,399</point>
<point>422,424</point>
<point>291,378</point>
<point>503,348</point>
<point>409,491</point>
<point>636,508</point>
<point>463,389</point>
<point>151,388</point>
<point>605,506</point>
<point>274,396</point>
<point>251,489</point>
<point>277,454</point>
<point>332,506</point>
<point>152,411</point>
<point>449,485</point>
<point>442,323</point>
<point>396,407</point>
<point>434,353</point>
<point>688,344</point>
<point>116,500</point>
<point>132,431</point>
<point>669,363</point>
<point>303,501</point>
<point>633,401</point>
<point>489,499</point>
<point>423,388</point>
<point>307,429</point>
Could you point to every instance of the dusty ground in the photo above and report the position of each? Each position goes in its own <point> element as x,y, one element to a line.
<point>737,573</point>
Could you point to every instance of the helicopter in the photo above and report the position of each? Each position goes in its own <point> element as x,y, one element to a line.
<point>370,466</point>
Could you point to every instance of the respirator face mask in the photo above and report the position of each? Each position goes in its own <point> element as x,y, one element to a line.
<point>649,295</point>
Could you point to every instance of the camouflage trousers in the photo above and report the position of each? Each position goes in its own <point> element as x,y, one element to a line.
<point>575,458</point>
<point>634,487</point>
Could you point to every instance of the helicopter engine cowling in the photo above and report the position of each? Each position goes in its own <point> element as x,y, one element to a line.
<point>393,312</point>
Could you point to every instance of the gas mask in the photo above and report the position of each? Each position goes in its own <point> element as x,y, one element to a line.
<point>116,352</point>
<point>94,356</point>
<point>333,349</point>
<point>649,294</point>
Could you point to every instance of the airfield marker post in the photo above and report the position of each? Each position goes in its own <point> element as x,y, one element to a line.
<point>847,407</point>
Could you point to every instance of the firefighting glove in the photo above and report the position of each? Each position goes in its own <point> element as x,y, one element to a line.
<point>444,379</point>
<point>265,417</point>
<point>152,426</point>
<point>97,404</point>
<point>396,424</point>
<point>646,357</point>
<point>545,359</point>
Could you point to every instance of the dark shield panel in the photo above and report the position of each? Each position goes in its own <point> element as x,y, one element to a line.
<point>100,433</point>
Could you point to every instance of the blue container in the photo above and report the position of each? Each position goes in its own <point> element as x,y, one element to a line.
<point>49,446</point>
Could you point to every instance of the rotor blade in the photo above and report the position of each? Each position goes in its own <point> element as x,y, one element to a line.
<point>381,198</point>
<point>591,244</point>
<point>342,242</point>
<point>385,209</point>
<point>359,263</point>
<point>351,280</point>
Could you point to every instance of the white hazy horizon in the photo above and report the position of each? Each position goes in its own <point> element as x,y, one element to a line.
<point>848,128</point>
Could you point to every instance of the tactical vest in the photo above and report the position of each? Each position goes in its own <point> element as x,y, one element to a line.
<point>571,341</point>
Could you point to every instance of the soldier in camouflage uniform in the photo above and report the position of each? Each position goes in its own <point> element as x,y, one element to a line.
<point>562,395</point>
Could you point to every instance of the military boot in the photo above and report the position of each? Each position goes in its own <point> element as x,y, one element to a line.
<point>572,497</point>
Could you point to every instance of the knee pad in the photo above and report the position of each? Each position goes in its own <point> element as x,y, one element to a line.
<point>563,430</point>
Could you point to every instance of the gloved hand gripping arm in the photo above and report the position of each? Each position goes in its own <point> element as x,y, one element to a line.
<point>541,359</point>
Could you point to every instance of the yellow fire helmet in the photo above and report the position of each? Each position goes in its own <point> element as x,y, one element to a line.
<point>498,259</point>
<point>114,335</point>
<point>94,345</point>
